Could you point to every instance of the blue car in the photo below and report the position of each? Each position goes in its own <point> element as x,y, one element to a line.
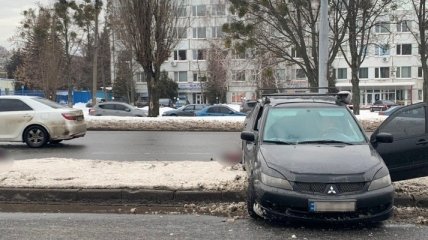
<point>218,110</point>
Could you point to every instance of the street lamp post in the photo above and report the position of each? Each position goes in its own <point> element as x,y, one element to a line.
<point>323,47</point>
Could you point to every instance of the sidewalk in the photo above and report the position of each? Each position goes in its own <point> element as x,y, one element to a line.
<point>94,181</point>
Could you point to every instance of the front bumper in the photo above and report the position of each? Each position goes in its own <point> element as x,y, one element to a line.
<point>277,203</point>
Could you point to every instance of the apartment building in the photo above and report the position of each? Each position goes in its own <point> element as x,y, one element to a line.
<point>391,70</point>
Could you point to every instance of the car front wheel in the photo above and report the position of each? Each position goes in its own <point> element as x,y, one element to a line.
<point>35,136</point>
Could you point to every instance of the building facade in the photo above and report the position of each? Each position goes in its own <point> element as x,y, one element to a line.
<point>391,69</point>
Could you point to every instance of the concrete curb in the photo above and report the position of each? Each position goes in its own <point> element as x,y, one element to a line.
<point>141,196</point>
<point>148,196</point>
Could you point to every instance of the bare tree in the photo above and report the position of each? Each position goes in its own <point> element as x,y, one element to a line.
<point>150,28</point>
<point>420,9</point>
<point>361,16</point>
<point>287,29</point>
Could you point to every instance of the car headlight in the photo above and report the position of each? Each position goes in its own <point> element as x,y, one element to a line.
<point>275,182</point>
<point>380,183</point>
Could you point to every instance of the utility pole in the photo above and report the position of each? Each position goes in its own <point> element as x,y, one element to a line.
<point>323,47</point>
<point>95,60</point>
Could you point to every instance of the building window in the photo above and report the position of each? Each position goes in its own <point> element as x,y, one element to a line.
<point>300,74</point>
<point>180,32</point>
<point>280,74</point>
<point>404,72</point>
<point>404,26</point>
<point>238,76</point>
<point>420,72</point>
<point>295,53</point>
<point>238,54</point>
<point>180,76</point>
<point>219,10</point>
<point>363,73</point>
<point>382,50</point>
<point>217,32</point>
<point>199,54</point>
<point>199,76</point>
<point>382,72</point>
<point>199,10</point>
<point>200,32</point>
<point>404,49</point>
<point>342,73</point>
<point>420,95</point>
<point>382,27</point>
<point>180,55</point>
<point>141,77</point>
<point>182,11</point>
<point>254,75</point>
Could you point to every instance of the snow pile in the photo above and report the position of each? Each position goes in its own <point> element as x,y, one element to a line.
<point>166,123</point>
<point>72,173</point>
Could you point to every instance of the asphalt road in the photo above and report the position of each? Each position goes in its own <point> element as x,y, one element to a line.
<point>134,146</point>
<point>114,226</point>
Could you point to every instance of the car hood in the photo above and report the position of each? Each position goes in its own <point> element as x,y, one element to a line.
<point>323,162</point>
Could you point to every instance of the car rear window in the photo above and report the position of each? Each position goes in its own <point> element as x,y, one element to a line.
<point>49,103</point>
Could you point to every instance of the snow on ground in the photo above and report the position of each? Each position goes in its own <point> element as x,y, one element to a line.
<point>72,173</point>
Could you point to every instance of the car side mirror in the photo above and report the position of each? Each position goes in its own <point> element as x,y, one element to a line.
<point>384,138</point>
<point>248,136</point>
<point>127,110</point>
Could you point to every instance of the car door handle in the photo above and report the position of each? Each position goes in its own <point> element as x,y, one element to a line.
<point>422,142</point>
<point>26,116</point>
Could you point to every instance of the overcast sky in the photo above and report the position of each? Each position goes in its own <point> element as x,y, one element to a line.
<point>11,15</point>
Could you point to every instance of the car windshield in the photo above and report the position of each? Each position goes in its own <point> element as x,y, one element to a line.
<point>318,125</point>
<point>49,103</point>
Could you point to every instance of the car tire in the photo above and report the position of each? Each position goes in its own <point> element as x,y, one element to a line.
<point>251,199</point>
<point>173,115</point>
<point>55,141</point>
<point>35,136</point>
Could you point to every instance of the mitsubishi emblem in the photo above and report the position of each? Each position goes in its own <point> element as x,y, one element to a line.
<point>331,190</point>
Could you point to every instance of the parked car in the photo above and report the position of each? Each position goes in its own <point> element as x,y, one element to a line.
<point>382,105</point>
<point>166,102</point>
<point>218,110</point>
<point>247,105</point>
<point>390,110</point>
<point>98,100</point>
<point>38,121</point>
<point>187,110</point>
<point>307,158</point>
<point>116,109</point>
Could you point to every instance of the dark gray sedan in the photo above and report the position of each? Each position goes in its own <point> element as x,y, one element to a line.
<point>187,110</point>
<point>116,109</point>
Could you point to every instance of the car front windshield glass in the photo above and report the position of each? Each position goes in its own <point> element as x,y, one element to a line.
<point>326,125</point>
<point>49,103</point>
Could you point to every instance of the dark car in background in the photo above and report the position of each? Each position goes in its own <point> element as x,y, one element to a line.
<point>390,110</point>
<point>187,110</point>
<point>218,110</point>
<point>307,158</point>
<point>382,105</point>
<point>116,109</point>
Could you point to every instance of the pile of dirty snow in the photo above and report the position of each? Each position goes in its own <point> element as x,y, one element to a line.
<point>72,173</point>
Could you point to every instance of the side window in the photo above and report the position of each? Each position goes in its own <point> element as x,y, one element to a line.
<point>224,110</point>
<point>10,105</point>
<point>198,107</point>
<point>120,107</point>
<point>212,110</point>
<point>107,106</point>
<point>406,123</point>
<point>188,108</point>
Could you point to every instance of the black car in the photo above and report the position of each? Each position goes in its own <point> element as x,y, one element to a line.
<point>187,110</point>
<point>382,105</point>
<point>307,158</point>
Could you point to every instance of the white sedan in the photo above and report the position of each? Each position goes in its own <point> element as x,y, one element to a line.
<point>38,121</point>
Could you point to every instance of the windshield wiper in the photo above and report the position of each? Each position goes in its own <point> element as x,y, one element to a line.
<point>325,142</point>
<point>279,142</point>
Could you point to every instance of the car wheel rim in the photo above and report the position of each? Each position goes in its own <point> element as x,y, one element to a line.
<point>36,136</point>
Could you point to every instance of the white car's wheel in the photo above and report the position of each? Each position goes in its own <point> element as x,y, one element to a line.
<point>35,136</point>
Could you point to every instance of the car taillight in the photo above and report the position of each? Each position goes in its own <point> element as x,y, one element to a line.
<point>69,116</point>
<point>91,111</point>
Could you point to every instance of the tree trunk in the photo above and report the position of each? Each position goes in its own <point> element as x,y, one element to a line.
<point>153,95</point>
<point>355,88</point>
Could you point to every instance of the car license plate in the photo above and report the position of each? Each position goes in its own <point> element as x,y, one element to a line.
<point>331,206</point>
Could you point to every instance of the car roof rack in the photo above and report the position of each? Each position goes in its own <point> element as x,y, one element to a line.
<point>340,98</point>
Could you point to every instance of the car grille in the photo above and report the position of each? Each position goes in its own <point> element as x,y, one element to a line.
<point>343,188</point>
